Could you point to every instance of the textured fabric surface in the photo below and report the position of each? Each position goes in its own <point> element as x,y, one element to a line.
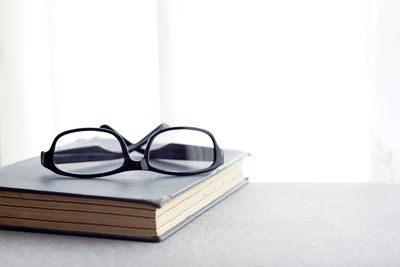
<point>260,225</point>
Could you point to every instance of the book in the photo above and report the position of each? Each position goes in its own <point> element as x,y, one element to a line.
<point>136,205</point>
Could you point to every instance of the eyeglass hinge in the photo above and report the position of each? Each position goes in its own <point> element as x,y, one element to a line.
<point>42,157</point>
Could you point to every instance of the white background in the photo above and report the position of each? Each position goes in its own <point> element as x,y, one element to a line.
<point>286,80</point>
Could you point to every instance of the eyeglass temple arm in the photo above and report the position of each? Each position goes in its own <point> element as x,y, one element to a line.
<point>137,146</point>
<point>183,152</point>
<point>165,152</point>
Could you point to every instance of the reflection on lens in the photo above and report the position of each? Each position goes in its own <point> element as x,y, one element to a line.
<point>181,151</point>
<point>88,152</point>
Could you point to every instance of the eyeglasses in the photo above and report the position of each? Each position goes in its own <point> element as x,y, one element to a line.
<point>96,152</point>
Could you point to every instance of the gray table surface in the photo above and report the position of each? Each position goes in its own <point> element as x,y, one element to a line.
<point>260,225</point>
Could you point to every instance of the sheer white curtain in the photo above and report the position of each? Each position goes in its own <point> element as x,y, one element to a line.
<point>285,80</point>
<point>386,163</point>
<point>68,64</point>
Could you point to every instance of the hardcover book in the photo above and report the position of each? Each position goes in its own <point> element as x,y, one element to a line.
<point>137,205</point>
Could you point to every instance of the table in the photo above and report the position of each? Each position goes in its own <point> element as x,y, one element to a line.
<point>274,224</point>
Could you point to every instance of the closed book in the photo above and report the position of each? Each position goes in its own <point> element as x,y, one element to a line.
<point>137,205</point>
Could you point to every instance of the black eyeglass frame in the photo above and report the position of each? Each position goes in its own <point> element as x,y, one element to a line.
<point>47,158</point>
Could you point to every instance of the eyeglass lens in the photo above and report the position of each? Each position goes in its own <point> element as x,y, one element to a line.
<point>181,150</point>
<point>88,152</point>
